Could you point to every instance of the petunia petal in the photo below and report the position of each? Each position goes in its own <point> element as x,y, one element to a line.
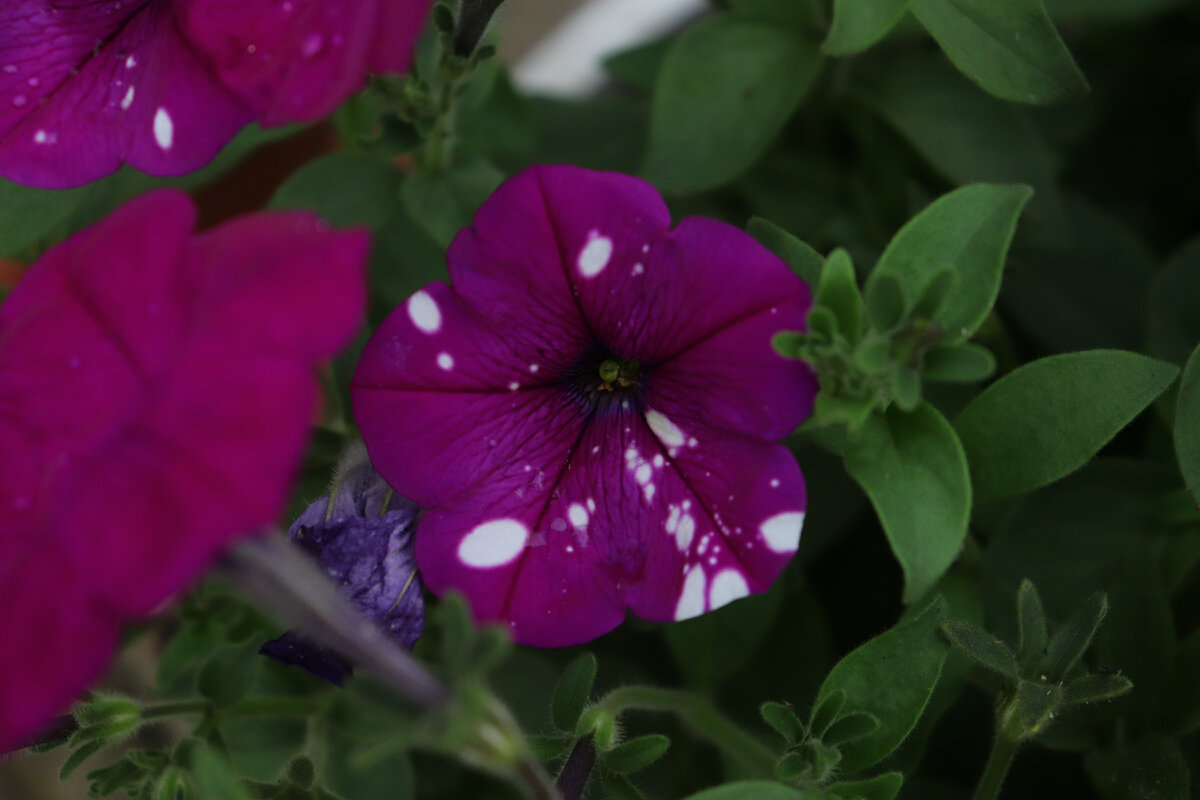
<point>85,87</point>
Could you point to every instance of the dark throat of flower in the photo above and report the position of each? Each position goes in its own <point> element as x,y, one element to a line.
<point>601,379</point>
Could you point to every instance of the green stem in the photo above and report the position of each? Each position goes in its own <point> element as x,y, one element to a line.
<point>1004,748</point>
<point>701,715</point>
<point>285,706</point>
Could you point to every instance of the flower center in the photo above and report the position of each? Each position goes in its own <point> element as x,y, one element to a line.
<point>601,378</point>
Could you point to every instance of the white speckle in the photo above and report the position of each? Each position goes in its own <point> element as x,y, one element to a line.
<point>774,483</point>
<point>591,504</point>
<point>570,549</point>
<point>528,467</point>
<point>646,248</point>
<point>493,543</point>
<point>424,312</point>
<point>631,454</point>
<point>692,442</point>
<point>594,256</point>
<point>638,268</point>
<point>445,361</point>
<point>666,431</point>
<point>534,367</point>
<point>578,515</point>
<point>648,492</point>
<point>312,45</point>
<point>672,523</point>
<point>20,100</point>
<point>691,599</point>
<point>658,460</point>
<point>595,449</point>
<point>727,586</point>
<point>643,474</point>
<point>39,137</point>
<point>251,49</point>
<point>512,387</point>
<point>10,69</point>
<point>127,100</point>
<point>33,82</point>
<point>782,531</point>
<point>130,62</point>
<point>164,129</point>
<point>687,530</point>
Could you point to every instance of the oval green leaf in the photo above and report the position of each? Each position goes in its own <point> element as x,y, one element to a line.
<point>912,467</point>
<point>753,790</point>
<point>858,24</point>
<point>892,677</point>
<point>1187,424</point>
<point>1046,419</point>
<point>967,230</point>
<point>1009,48</point>
<point>738,81</point>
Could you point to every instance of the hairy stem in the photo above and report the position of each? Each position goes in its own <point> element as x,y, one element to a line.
<point>1004,748</point>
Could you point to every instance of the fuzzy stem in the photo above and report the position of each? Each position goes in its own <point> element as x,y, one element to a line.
<point>701,715</point>
<point>1004,748</point>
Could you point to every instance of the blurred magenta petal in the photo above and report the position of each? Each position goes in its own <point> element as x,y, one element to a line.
<point>156,390</point>
<point>557,498</point>
<point>162,85</point>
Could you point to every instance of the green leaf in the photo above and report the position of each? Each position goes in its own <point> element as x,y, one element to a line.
<point>752,790</point>
<point>345,188</point>
<point>1050,416</point>
<point>1010,49</point>
<point>636,754</point>
<point>881,787</point>
<point>1174,323</point>
<point>957,363</point>
<point>854,725</point>
<point>736,80</point>
<point>546,748</point>
<point>572,692</point>
<point>618,787</point>
<point>885,303</point>
<point>1152,769</point>
<point>981,647</point>
<point>892,677</point>
<point>783,721</point>
<point>1093,688</point>
<point>838,291</point>
<point>793,767</point>
<point>858,24</point>
<point>227,676</point>
<point>913,469</point>
<point>1075,636</point>
<point>825,711</point>
<point>28,214</point>
<point>1033,706</point>
<point>1031,627</point>
<point>802,258</point>
<point>968,230</point>
<point>1187,424</point>
<point>444,204</point>
<point>79,756</point>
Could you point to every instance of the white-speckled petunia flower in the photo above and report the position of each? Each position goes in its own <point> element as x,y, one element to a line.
<point>589,414</point>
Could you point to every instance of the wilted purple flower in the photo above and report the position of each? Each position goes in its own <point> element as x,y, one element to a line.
<point>589,414</point>
<point>162,85</point>
<point>362,536</point>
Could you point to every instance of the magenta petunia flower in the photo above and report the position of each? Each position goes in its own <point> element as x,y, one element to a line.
<point>589,413</point>
<point>156,390</point>
<point>162,85</point>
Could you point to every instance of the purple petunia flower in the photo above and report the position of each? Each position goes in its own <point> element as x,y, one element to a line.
<point>589,413</point>
<point>162,85</point>
<point>362,536</point>
<point>156,393</point>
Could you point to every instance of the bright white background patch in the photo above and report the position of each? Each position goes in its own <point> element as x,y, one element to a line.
<point>782,531</point>
<point>727,586</point>
<point>594,256</point>
<point>424,312</point>
<point>691,599</point>
<point>492,544</point>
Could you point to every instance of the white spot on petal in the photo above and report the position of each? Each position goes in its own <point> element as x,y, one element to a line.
<point>424,312</point>
<point>727,586</point>
<point>164,129</point>
<point>687,529</point>
<point>666,431</point>
<point>512,387</point>
<point>534,367</point>
<point>594,256</point>
<point>643,474</point>
<point>639,268</point>
<point>691,599</point>
<point>782,531</point>
<point>130,62</point>
<point>492,544</point>
<point>127,100</point>
<point>39,137</point>
<point>578,515</point>
<point>774,483</point>
<point>445,361</point>
<point>591,504</point>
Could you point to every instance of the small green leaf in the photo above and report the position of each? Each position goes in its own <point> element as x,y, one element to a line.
<point>215,779</point>
<point>572,692</point>
<point>789,343</point>
<point>545,748</point>
<point>966,231</point>
<point>783,721</point>
<point>957,363</point>
<point>1010,49</point>
<point>881,787</point>
<point>858,24</point>
<point>636,754</point>
<point>1151,769</point>
<point>619,787</point>
<point>1075,636</point>
<point>1033,706</point>
<point>1187,424</point>
<point>825,711</point>
<point>838,291</point>
<point>737,80</point>
<point>173,784</point>
<point>885,303</point>
<point>854,725</point>
<point>79,756</point>
<point>1095,687</point>
<point>1050,416</point>
<point>913,469</point>
<point>793,767</point>
<point>1031,627</point>
<point>981,647</point>
<point>892,677</point>
<point>802,258</point>
<point>444,204</point>
<point>753,790</point>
